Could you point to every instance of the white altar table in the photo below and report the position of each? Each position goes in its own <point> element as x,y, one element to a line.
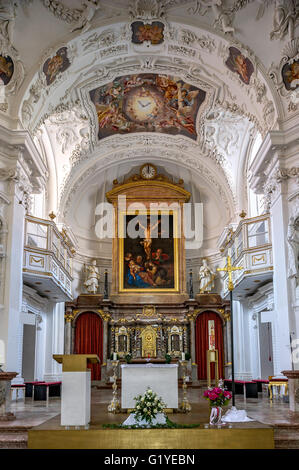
<point>161,378</point>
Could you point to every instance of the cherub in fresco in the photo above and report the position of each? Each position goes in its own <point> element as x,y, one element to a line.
<point>186,99</point>
<point>241,67</point>
<point>292,75</point>
<point>5,67</point>
<point>54,65</point>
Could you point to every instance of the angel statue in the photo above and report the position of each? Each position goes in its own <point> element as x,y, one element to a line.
<point>84,22</point>
<point>206,278</point>
<point>92,281</point>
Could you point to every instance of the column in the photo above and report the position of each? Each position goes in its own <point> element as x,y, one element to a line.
<point>10,315</point>
<point>283,311</point>
<point>68,331</point>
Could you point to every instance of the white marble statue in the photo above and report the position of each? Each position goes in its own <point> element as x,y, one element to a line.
<point>285,16</point>
<point>205,277</point>
<point>221,16</point>
<point>293,239</point>
<point>84,23</point>
<point>7,21</point>
<point>92,281</point>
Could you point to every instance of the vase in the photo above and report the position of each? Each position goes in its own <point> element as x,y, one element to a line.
<point>216,415</point>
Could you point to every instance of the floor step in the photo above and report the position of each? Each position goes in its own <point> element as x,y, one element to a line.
<point>286,437</point>
<point>13,440</point>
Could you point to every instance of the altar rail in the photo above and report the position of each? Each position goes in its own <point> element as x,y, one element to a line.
<point>47,264</point>
<point>249,246</point>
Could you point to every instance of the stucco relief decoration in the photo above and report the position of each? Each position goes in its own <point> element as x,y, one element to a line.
<point>240,64</point>
<point>142,32</point>
<point>147,103</point>
<point>55,65</point>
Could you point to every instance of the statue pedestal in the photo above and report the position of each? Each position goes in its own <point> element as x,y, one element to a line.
<point>293,379</point>
<point>5,379</point>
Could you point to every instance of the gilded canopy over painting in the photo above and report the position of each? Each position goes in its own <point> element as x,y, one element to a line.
<point>148,261</point>
<point>147,102</point>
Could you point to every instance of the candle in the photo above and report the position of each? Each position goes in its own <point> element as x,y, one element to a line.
<point>183,356</point>
<point>229,252</point>
<point>114,356</point>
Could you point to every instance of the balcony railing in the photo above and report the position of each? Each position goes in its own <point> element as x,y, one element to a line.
<point>47,257</point>
<point>249,246</point>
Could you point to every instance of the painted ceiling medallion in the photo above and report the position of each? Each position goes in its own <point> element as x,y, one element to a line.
<point>6,69</point>
<point>290,75</point>
<point>147,32</point>
<point>55,65</point>
<point>147,102</point>
<point>239,64</point>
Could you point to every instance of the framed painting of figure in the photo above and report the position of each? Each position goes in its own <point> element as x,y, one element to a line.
<point>148,251</point>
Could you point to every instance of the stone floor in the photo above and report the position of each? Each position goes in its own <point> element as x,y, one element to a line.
<point>29,414</point>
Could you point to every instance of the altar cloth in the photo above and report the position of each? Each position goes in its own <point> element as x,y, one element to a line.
<point>236,416</point>
<point>131,420</point>
<point>161,378</point>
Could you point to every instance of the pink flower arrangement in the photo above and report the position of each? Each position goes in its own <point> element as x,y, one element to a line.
<point>217,396</point>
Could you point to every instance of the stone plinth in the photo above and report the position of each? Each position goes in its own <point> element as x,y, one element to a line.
<point>293,378</point>
<point>5,379</point>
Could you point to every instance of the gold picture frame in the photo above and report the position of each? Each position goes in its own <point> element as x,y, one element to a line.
<point>176,230</point>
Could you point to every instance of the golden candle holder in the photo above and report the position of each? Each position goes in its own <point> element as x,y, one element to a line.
<point>114,406</point>
<point>185,406</point>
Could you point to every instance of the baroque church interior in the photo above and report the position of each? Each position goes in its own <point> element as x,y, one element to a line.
<point>106,107</point>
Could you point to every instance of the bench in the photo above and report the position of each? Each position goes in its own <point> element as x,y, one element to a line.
<point>248,388</point>
<point>17,388</point>
<point>29,387</point>
<point>44,390</point>
<point>260,383</point>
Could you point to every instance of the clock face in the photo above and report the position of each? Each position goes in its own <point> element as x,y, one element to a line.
<point>148,171</point>
<point>142,104</point>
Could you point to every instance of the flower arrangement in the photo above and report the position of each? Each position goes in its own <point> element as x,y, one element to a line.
<point>148,406</point>
<point>168,358</point>
<point>217,396</point>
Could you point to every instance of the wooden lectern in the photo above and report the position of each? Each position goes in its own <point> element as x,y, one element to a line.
<point>76,386</point>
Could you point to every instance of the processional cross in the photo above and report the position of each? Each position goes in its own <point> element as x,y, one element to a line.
<point>229,270</point>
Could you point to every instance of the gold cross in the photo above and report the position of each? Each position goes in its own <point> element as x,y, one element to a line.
<point>229,269</point>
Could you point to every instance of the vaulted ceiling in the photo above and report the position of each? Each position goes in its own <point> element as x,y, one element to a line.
<point>232,51</point>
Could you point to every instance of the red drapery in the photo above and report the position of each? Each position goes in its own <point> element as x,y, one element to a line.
<point>89,339</point>
<point>202,338</point>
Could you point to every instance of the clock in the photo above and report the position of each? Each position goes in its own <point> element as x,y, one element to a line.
<point>142,105</point>
<point>148,171</point>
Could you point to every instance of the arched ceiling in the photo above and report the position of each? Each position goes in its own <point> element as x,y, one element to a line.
<point>62,50</point>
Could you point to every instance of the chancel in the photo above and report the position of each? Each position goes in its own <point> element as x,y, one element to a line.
<point>149,224</point>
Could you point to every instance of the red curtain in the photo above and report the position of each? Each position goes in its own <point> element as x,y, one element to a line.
<point>202,339</point>
<point>89,339</point>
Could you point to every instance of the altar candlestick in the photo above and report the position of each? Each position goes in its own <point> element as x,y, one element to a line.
<point>229,270</point>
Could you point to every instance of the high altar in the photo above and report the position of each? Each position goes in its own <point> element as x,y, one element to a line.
<point>149,312</point>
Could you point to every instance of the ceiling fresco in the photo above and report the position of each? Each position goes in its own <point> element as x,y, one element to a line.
<point>147,103</point>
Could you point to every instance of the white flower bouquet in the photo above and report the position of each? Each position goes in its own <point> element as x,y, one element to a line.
<point>148,406</point>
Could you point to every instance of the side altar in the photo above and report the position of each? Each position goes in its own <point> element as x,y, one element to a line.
<point>148,311</point>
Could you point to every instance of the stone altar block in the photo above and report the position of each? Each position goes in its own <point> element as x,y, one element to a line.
<point>161,378</point>
<point>76,388</point>
<point>293,378</point>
